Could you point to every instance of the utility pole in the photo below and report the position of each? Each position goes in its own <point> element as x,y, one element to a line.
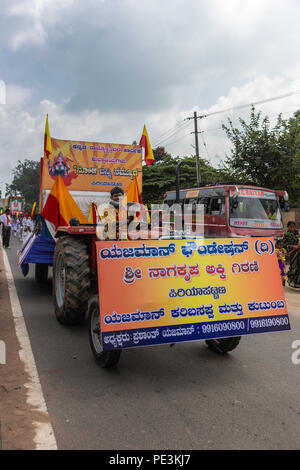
<point>198,172</point>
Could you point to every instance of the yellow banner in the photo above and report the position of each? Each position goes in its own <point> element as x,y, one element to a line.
<point>92,166</point>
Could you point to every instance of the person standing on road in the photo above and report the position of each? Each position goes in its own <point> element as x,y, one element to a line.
<point>6,228</point>
<point>14,225</point>
<point>291,244</point>
<point>22,226</point>
<point>281,255</point>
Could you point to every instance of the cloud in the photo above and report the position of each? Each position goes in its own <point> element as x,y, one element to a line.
<point>103,69</point>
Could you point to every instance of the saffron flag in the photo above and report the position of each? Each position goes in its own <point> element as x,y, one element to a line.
<point>47,140</point>
<point>33,209</point>
<point>60,207</point>
<point>145,143</point>
<point>133,195</point>
<point>93,214</point>
<point>148,215</point>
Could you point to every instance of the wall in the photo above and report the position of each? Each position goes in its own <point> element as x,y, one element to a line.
<point>293,214</point>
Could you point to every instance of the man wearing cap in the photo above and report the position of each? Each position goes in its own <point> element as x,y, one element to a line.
<point>6,228</point>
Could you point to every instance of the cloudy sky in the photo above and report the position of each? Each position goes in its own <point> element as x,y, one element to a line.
<point>102,69</point>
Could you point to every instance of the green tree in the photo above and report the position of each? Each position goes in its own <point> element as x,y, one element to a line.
<point>161,175</point>
<point>26,182</point>
<point>265,156</point>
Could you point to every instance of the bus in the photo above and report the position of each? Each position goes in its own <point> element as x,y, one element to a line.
<point>234,210</point>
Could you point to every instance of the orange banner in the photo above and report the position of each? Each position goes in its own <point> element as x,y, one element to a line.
<point>186,290</point>
<point>91,166</point>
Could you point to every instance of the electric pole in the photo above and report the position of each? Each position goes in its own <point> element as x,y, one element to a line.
<point>198,172</point>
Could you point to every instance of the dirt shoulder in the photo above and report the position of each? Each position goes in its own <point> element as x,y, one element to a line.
<point>16,416</point>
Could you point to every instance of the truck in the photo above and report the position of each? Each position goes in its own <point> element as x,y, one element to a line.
<point>232,210</point>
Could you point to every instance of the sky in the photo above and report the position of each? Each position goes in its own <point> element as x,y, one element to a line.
<point>102,69</point>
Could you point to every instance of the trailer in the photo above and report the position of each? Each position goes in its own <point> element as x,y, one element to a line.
<point>140,293</point>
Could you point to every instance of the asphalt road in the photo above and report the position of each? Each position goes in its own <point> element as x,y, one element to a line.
<point>185,397</point>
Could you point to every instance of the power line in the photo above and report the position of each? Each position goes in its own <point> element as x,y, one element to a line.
<point>196,132</point>
<point>180,138</point>
<point>165,136</point>
<point>168,135</point>
<point>171,130</point>
<point>183,127</point>
<point>205,146</point>
<point>279,97</point>
<point>271,116</point>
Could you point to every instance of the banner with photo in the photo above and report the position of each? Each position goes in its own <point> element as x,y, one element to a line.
<point>91,166</point>
<point>16,204</point>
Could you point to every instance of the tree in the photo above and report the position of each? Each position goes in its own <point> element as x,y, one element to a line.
<point>266,157</point>
<point>161,175</point>
<point>26,182</point>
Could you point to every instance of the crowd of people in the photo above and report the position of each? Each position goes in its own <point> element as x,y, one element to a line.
<point>20,226</point>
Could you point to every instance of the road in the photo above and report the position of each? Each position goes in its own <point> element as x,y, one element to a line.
<point>162,397</point>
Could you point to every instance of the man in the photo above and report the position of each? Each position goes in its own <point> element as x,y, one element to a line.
<point>27,226</point>
<point>111,216</point>
<point>6,228</point>
<point>291,244</point>
<point>290,239</point>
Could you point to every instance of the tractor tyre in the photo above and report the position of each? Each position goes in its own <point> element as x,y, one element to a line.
<point>105,359</point>
<point>223,345</point>
<point>41,273</point>
<point>71,280</point>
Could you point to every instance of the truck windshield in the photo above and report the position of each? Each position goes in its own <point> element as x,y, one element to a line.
<point>249,209</point>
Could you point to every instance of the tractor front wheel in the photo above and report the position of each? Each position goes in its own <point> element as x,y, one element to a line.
<point>105,359</point>
<point>223,345</point>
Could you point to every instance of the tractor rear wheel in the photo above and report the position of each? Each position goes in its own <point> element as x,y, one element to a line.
<point>71,280</point>
<point>223,345</point>
<point>105,359</point>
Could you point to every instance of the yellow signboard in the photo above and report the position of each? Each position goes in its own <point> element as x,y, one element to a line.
<point>192,193</point>
<point>92,166</point>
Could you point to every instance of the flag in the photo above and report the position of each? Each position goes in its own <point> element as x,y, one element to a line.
<point>145,143</point>
<point>41,182</point>
<point>60,207</point>
<point>148,215</point>
<point>93,214</point>
<point>47,140</point>
<point>33,209</point>
<point>133,193</point>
